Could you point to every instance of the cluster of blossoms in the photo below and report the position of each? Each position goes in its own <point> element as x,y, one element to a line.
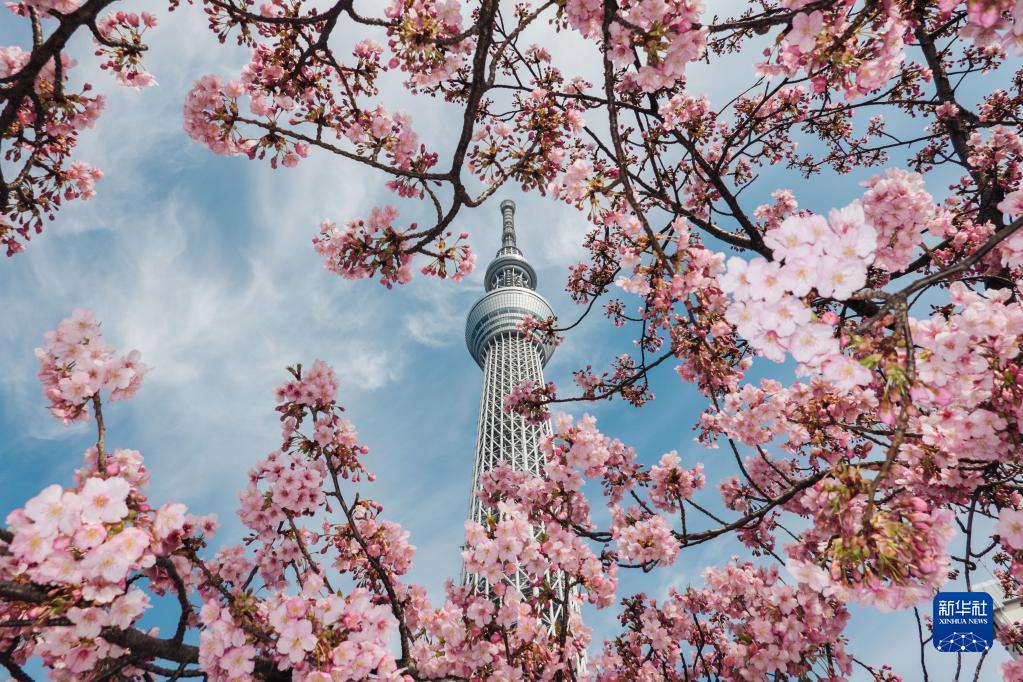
<point>208,93</point>
<point>888,548</point>
<point>459,254</point>
<point>528,399</point>
<point>293,489</point>
<point>301,626</point>
<point>473,635</point>
<point>212,112</point>
<point>45,142</point>
<point>75,364</point>
<point>891,559</point>
<point>669,31</point>
<point>224,649</point>
<point>460,638</point>
<point>532,566</point>
<point>818,43</point>
<point>896,555</point>
<point>753,415</point>
<point>672,37</point>
<point>643,538</point>
<point>964,416</point>
<point>512,542</point>
<point>553,503</point>
<point>756,415</point>
<point>811,254</point>
<point>973,410</point>
<point>83,543</point>
<point>585,447</point>
<point>386,541</point>
<point>757,626</point>
<point>1012,248</point>
<point>423,40</point>
<point>334,95</point>
<point>122,47</point>
<point>77,522</point>
<point>540,142</point>
<point>898,207</point>
<point>577,184</point>
<point>367,248</point>
<point>965,421</point>
<point>319,634</point>
<point>40,130</point>
<point>991,22</point>
<point>379,131</point>
<point>708,350</point>
<point>670,485</point>
<point>317,387</point>
<point>82,549</point>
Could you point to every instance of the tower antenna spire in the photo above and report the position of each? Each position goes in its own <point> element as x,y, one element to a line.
<point>508,224</point>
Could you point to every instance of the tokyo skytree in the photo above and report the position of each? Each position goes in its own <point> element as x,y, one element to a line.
<point>507,359</point>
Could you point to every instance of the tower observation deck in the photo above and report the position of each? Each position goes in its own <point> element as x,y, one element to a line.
<point>507,358</point>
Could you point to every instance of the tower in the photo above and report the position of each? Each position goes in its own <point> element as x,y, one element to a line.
<point>507,358</point>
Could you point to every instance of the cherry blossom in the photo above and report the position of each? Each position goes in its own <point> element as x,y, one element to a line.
<point>43,114</point>
<point>76,365</point>
<point>1010,528</point>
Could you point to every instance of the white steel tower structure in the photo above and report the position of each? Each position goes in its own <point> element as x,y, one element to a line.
<point>507,359</point>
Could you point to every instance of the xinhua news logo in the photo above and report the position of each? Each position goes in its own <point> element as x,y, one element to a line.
<point>963,622</point>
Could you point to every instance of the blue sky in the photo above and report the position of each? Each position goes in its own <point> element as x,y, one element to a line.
<point>205,265</point>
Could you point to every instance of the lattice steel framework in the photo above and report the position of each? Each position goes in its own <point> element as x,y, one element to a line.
<point>503,438</point>
<point>507,359</point>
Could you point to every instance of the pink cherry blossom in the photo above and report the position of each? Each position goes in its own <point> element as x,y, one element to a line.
<point>103,500</point>
<point>1010,528</point>
<point>805,29</point>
